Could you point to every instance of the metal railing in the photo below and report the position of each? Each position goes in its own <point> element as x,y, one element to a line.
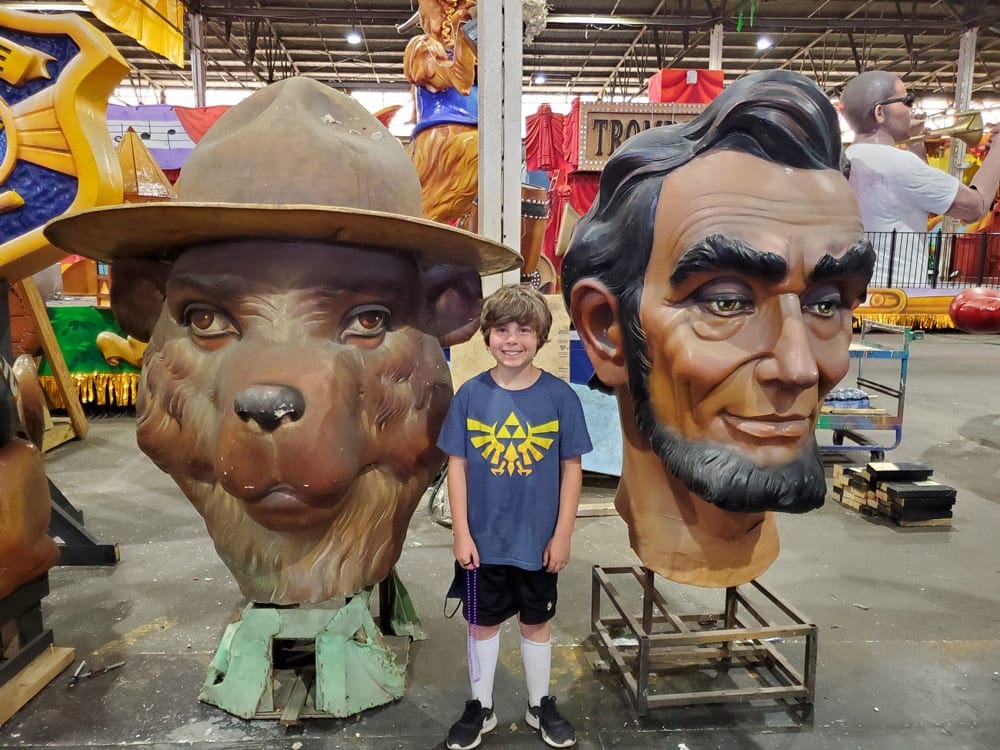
<point>936,259</point>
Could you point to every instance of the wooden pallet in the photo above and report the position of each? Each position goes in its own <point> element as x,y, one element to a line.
<point>29,681</point>
<point>29,660</point>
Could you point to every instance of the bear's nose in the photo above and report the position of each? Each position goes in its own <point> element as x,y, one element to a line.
<point>269,405</point>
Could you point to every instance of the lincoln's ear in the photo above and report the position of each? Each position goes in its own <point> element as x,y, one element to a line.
<point>594,310</point>
<point>138,288</point>
<point>879,113</point>
<point>453,297</point>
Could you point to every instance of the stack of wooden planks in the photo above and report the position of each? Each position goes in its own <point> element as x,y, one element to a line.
<point>902,492</point>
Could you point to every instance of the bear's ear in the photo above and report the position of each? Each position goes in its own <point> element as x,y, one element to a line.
<point>453,296</point>
<point>138,288</point>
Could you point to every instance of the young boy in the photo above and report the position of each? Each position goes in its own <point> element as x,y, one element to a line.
<point>514,436</point>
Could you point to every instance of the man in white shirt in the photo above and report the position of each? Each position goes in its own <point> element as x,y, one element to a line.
<point>896,189</point>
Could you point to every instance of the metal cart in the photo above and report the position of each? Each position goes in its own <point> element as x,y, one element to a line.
<point>852,424</point>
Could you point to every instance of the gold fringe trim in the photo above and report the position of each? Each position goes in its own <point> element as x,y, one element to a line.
<point>99,388</point>
<point>923,321</point>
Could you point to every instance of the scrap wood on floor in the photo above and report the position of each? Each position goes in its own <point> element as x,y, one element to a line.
<point>904,493</point>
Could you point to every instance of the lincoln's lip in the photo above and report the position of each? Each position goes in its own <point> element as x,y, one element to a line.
<point>771,426</point>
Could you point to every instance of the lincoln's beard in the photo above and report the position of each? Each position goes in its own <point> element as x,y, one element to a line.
<point>716,473</point>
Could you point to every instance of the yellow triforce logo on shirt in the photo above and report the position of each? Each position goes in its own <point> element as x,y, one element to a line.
<point>513,447</point>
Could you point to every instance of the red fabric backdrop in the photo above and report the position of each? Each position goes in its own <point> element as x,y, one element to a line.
<point>552,144</point>
<point>197,120</point>
<point>685,86</point>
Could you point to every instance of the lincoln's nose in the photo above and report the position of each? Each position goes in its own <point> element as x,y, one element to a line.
<point>270,405</point>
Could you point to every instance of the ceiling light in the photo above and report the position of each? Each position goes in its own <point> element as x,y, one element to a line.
<point>539,78</point>
<point>353,37</point>
<point>764,43</point>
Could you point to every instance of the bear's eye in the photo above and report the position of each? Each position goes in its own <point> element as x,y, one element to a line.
<point>367,322</point>
<point>207,322</point>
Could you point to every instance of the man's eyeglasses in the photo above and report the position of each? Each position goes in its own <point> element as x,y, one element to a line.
<point>906,101</point>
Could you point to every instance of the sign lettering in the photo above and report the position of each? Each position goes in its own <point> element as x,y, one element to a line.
<point>605,127</point>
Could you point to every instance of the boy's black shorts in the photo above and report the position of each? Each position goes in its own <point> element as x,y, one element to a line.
<point>505,590</point>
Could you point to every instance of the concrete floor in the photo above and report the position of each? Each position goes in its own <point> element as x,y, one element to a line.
<point>909,651</point>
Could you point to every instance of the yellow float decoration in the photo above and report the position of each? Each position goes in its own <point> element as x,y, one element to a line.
<point>56,74</point>
<point>926,309</point>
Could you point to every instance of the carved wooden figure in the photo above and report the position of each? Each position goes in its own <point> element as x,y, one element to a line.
<point>26,550</point>
<point>712,285</point>
<point>441,65</point>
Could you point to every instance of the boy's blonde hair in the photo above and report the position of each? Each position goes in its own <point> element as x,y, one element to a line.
<point>520,304</point>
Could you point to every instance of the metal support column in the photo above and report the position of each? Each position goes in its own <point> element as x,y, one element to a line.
<point>500,55</point>
<point>197,58</point>
<point>963,98</point>
<point>715,48</point>
<point>963,93</point>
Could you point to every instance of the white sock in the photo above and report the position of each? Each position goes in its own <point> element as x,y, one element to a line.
<point>486,654</point>
<point>537,658</point>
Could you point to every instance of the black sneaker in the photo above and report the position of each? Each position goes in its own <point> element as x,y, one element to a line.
<point>467,732</point>
<point>555,730</point>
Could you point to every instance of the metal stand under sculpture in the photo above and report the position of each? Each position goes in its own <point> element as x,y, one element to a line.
<point>682,652</point>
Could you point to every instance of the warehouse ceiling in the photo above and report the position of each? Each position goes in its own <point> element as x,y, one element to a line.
<point>596,48</point>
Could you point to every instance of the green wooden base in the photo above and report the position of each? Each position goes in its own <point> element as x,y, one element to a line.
<point>351,668</point>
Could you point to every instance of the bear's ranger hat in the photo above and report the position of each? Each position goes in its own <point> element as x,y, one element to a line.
<point>297,160</point>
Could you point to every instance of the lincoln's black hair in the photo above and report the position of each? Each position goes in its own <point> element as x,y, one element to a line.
<point>776,115</point>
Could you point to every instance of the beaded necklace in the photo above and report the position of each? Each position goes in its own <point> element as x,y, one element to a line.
<point>472,652</point>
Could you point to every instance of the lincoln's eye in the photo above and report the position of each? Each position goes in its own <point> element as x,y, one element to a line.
<point>726,305</point>
<point>826,308</point>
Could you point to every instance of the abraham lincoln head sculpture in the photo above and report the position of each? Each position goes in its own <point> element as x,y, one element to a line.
<point>295,307</point>
<point>712,284</point>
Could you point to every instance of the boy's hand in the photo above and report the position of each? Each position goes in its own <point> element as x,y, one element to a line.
<point>556,554</point>
<point>466,552</point>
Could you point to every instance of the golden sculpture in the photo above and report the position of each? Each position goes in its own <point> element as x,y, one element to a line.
<point>441,65</point>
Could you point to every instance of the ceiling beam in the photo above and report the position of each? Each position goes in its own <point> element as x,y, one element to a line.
<point>763,23</point>
<point>614,72</point>
<point>281,46</point>
<point>241,54</point>
<point>825,34</point>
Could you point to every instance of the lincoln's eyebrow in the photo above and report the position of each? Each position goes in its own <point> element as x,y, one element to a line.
<point>720,253</point>
<point>859,260</point>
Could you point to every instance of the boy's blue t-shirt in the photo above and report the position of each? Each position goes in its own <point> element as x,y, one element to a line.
<point>513,443</point>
